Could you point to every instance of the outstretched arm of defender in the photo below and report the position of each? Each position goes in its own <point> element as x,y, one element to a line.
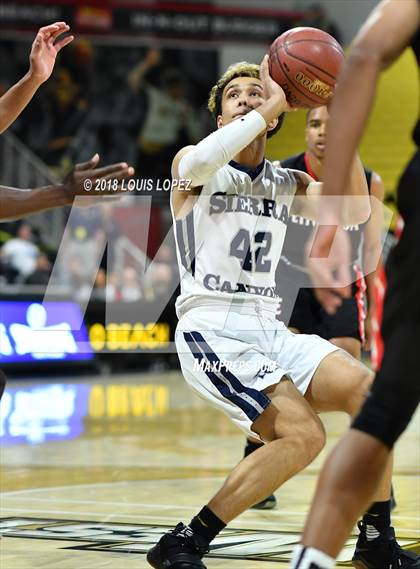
<point>16,202</point>
<point>350,210</point>
<point>387,32</point>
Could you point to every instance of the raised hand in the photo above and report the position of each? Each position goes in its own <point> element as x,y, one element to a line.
<point>45,49</point>
<point>271,88</point>
<point>84,179</point>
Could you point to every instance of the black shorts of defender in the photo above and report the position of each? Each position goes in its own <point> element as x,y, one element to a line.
<point>309,317</point>
<point>396,390</point>
<point>395,393</point>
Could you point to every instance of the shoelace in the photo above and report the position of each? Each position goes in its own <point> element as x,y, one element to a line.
<point>193,542</point>
<point>198,544</point>
<point>396,555</point>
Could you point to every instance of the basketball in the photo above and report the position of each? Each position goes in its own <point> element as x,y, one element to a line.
<point>305,62</point>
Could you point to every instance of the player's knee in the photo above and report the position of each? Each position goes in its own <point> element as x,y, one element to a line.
<point>308,434</point>
<point>362,385</point>
<point>315,438</point>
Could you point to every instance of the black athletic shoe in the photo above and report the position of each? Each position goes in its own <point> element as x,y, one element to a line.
<point>382,552</point>
<point>178,549</point>
<point>268,504</point>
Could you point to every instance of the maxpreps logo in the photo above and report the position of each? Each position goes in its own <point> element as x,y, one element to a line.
<point>257,545</point>
<point>315,86</point>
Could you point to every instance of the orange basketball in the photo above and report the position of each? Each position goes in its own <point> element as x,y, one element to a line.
<point>305,62</point>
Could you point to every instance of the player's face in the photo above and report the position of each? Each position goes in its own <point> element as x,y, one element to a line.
<point>316,131</point>
<point>240,96</point>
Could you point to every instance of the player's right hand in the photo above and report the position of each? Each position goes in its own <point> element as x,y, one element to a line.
<point>85,177</point>
<point>273,89</point>
<point>45,48</point>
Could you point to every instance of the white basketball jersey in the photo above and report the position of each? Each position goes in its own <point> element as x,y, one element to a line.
<point>230,242</point>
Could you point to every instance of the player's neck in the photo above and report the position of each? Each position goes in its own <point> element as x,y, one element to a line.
<point>314,165</point>
<point>253,154</point>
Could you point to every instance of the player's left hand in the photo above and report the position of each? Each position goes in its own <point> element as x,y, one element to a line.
<point>45,49</point>
<point>75,183</point>
<point>328,261</point>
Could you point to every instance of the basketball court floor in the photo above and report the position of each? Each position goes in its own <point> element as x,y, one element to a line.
<point>93,471</point>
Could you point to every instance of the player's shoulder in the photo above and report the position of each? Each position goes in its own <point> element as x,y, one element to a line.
<point>295,162</point>
<point>287,168</point>
<point>282,175</point>
<point>276,166</point>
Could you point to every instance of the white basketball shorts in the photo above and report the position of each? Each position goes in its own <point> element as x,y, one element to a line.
<point>230,356</point>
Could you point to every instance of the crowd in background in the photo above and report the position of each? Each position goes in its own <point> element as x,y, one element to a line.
<point>132,104</point>
<point>86,265</point>
<point>128,104</point>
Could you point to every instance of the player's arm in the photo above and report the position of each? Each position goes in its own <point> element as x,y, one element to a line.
<point>198,164</point>
<point>386,33</point>
<point>372,247</point>
<point>16,202</point>
<point>42,59</point>
<point>354,207</point>
<point>136,75</point>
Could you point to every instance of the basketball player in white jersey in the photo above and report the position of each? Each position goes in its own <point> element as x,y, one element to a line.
<point>233,352</point>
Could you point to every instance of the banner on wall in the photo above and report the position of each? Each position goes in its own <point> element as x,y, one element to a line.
<point>163,19</point>
<point>31,332</point>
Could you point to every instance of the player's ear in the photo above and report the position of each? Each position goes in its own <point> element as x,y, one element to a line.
<point>219,121</point>
<point>272,125</point>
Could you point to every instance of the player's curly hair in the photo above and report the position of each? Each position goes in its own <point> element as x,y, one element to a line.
<point>240,69</point>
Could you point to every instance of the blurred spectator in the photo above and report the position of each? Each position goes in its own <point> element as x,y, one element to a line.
<point>66,112</point>
<point>316,16</point>
<point>77,281</point>
<point>169,123</point>
<point>130,286</point>
<point>81,248</point>
<point>162,280</point>
<point>42,272</point>
<point>79,60</point>
<point>162,273</point>
<point>114,112</point>
<point>85,223</point>
<point>106,287</point>
<point>20,252</point>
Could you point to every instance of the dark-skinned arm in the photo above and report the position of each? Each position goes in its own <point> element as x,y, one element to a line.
<point>16,202</point>
<point>42,59</point>
<point>387,32</point>
<point>382,39</point>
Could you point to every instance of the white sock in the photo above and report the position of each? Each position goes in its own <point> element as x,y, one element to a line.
<point>309,558</point>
